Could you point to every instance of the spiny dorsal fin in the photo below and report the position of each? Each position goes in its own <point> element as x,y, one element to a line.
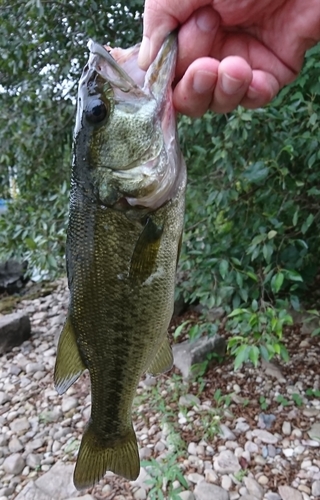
<point>69,365</point>
<point>163,360</point>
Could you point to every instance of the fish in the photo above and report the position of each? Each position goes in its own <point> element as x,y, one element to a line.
<point>126,215</point>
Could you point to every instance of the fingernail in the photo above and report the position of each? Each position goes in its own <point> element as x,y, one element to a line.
<point>230,85</point>
<point>206,22</point>
<point>144,53</point>
<point>252,93</point>
<point>203,82</point>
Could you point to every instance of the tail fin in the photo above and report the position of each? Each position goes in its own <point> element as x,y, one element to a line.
<point>95,458</point>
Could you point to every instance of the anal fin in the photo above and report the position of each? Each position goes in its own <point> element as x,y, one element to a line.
<point>69,365</point>
<point>163,360</point>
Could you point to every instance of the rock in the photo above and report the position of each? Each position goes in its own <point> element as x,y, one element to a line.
<point>4,398</point>
<point>33,460</point>
<point>314,432</point>
<point>254,487</point>
<point>248,497</point>
<point>85,497</point>
<point>186,495</point>
<point>265,436</point>
<point>13,276</point>
<point>20,425</point>
<point>14,464</point>
<point>226,433</point>
<point>271,496</point>
<point>189,400</point>
<point>195,478</point>
<point>272,370</point>
<point>140,494</point>
<point>15,329</point>
<point>69,404</point>
<point>226,463</point>
<point>15,445</point>
<point>57,482</point>
<point>188,353</point>
<point>263,480</point>
<point>206,491</point>
<point>31,492</point>
<point>286,428</point>
<point>226,482</point>
<point>288,493</point>
<point>315,490</point>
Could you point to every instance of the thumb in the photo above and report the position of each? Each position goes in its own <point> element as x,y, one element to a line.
<point>160,18</point>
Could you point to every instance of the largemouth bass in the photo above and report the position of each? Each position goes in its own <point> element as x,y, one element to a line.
<point>125,226</point>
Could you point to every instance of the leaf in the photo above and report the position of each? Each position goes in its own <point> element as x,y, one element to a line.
<point>307,223</point>
<point>223,268</point>
<point>242,356</point>
<point>237,312</point>
<point>254,355</point>
<point>277,282</point>
<point>272,234</point>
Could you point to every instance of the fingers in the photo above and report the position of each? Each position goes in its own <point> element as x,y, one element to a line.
<point>263,88</point>
<point>196,37</point>
<point>161,17</point>
<point>208,84</point>
<point>193,94</point>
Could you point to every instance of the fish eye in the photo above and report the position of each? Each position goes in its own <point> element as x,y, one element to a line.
<point>96,111</point>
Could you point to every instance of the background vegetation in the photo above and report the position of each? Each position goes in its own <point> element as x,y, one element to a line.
<point>251,242</point>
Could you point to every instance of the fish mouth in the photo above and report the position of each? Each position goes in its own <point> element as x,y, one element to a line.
<point>113,75</point>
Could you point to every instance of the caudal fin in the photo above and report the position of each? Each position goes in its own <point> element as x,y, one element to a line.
<point>95,458</point>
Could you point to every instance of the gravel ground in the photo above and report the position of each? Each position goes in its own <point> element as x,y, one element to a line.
<point>252,434</point>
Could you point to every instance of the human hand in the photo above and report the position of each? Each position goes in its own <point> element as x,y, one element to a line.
<point>231,52</point>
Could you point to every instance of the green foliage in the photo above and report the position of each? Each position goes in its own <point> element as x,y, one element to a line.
<point>163,473</point>
<point>257,332</point>
<point>253,210</point>
<point>43,51</point>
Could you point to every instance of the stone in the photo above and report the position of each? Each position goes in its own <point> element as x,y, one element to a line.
<point>187,353</point>
<point>206,491</point>
<point>286,428</point>
<point>31,492</point>
<point>226,482</point>
<point>315,489</point>
<point>85,497</point>
<point>15,329</point>
<point>69,404</point>
<point>226,463</point>
<point>271,496</point>
<point>20,425</point>
<point>195,478</point>
<point>15,445</point>
<point>4,398</point>
<point>263,480</point>
<point>58,481</point>
<point>189,400</point>
<point>254,487</point>
<point>14,464</point>
<point>314,432</point>
<point>288,493</point>
<point>33,460</point>
<point>140,494</point>
<point>272,370</point>
<point>186,495</point>
<point>248,497</point>
<point>226,433</point>
<point>265,436</point>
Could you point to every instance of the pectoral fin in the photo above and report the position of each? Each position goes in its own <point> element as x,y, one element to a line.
<point>143,261</point>
<point>163,360</point>
<point>69,365</point>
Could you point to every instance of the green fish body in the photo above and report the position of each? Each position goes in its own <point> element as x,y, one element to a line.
<point>125,226</point>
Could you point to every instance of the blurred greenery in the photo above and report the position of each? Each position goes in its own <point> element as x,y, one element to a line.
<point>251,241</point>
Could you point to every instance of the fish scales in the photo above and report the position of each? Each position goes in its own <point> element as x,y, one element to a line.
<point>124,234</point>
